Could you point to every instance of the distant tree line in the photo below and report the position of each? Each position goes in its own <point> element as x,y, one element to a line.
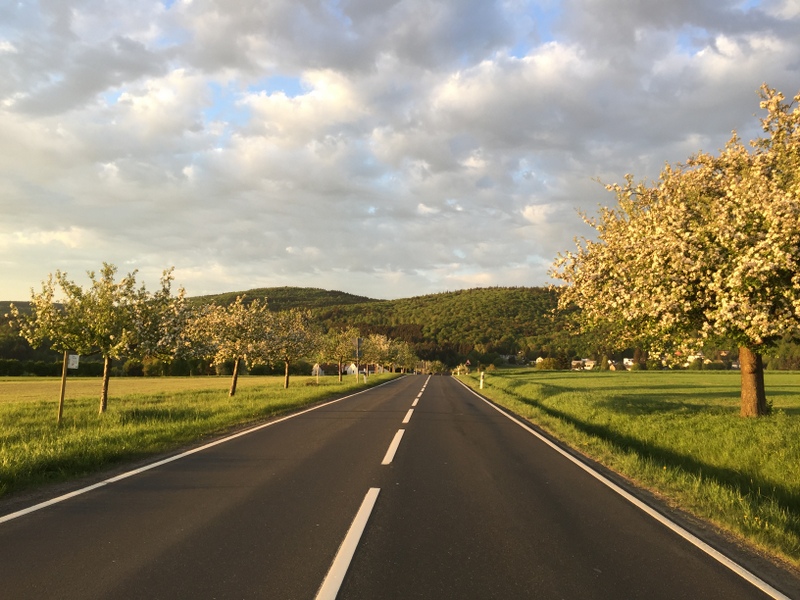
<point>484,326</point>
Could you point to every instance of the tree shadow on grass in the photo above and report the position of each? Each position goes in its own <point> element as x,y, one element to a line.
<point>666,396</point>
<point>143,415</point>
<point>687,401</point>
<point>744,484</point>
<point>694,403</point>
<point>707,402</point>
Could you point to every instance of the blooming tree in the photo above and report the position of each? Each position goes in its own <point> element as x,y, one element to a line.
<point>291,338</point>
<point>711,249</point>
<point>239,332</point>
<point>402,355</point>
<point>110,318</point>
<point>376,350</point>
<point>161,321</point>
<point>340,345</point>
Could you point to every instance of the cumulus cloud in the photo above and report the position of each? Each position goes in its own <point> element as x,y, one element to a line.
<point>387,148</point>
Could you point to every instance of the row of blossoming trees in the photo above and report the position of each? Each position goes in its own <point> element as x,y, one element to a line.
<point>117,319</point>
<point>711,250</point>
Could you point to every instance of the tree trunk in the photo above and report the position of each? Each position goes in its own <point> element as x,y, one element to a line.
<point>286,375</point>
<point>340,371</point>
<point>234,377</point>
<point>104,390</point>
<point>754,396</point>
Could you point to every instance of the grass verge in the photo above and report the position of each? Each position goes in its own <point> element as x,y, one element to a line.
<point>145,416</point>
<point>679,435</point>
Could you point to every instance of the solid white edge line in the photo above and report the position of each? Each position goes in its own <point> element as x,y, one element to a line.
<point>685,534</point>
<point>407,418</point>
<point>389,457</point>
<point>344,556</point>
<point>52,501</point>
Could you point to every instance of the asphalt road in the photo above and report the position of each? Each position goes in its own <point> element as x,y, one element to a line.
<point>464,503</point>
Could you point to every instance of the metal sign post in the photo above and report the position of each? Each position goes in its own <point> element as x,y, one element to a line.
<point>70,362</point>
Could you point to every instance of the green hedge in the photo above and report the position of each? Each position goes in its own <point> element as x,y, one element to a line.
<point>11,367</point>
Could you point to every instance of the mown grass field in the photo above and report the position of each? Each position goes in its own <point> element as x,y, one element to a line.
<point>678,434</point>
<point>145,416</point>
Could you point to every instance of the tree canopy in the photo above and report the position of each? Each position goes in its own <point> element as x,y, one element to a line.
<point>292,336</point>
<point>710,250</point>
<point>340,345</point>
<point>237,332</point>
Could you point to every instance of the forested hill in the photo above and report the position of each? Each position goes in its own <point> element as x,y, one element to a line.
<point>448,326</point>
<point>451,325</point>
<point>284,298</point>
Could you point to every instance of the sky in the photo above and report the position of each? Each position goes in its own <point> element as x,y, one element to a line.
<point>387,148</point>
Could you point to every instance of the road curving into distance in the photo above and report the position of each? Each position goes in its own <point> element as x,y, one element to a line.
<point>418,488</point>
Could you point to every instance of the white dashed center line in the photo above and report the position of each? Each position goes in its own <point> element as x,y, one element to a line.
<point>393,447</point>
<point>333,580</point>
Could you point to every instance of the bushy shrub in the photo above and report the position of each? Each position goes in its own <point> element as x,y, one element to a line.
<point>226,368</point>
<point>716,365</point>
<point>547,364</point>
<point>11,367</point>
<point>89,369</point>
<point>154,368</point>
<point>47,369</point>
<point>180,368</point>
<point>133,368</point>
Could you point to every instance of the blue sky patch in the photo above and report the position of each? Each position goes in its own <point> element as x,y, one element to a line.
<point>692,40</point>
<point>225,105</point>
<point>290,86</point>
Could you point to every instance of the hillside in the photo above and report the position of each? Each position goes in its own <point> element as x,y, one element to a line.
<point>284,298</point>
<point>449,326</point>
<point>452,325</point>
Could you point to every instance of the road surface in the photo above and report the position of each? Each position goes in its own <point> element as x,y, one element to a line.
<point>415,489</point>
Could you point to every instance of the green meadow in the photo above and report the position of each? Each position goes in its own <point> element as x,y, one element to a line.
<point>145,417</point>
<point>679,435</point>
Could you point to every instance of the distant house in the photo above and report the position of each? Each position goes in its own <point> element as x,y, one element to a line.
<point>326,369</point>
<point>584,364</point>
<point>350,369</point>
